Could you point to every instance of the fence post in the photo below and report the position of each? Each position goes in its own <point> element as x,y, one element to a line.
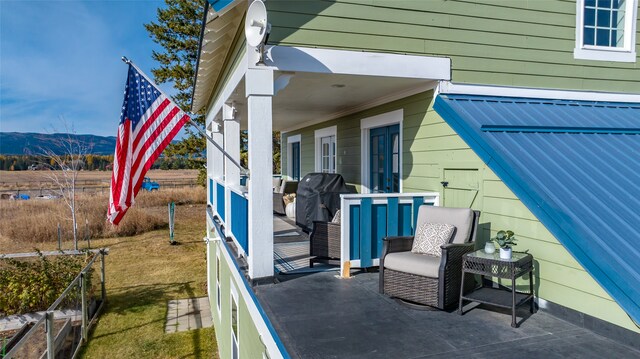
<point>85,311</point>
<point>59,237</point>
<point>49,329</point>
<point>102,278</point>
<point>86,233</point>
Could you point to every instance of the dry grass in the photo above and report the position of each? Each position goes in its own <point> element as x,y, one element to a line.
<point>35,222</point>
<point>13,180</point>
<point>26,176</point>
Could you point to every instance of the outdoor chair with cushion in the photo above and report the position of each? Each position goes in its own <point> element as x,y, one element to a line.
<point>432,279</point>
<point>325,241</point>
<point>285,188</point>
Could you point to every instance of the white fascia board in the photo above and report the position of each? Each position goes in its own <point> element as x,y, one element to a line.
<point>447,87</point>
<point>229,88</point>
<point>302,59</point>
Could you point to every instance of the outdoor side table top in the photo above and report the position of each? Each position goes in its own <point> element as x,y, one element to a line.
<point>492,265</point>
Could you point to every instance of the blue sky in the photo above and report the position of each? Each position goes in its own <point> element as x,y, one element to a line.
<point>62,59</point>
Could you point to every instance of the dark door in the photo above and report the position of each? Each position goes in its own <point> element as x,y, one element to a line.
<point>384,159</point>
<point>295,161</point>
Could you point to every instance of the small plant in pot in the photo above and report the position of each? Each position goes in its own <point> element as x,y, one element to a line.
<point>505,240</point>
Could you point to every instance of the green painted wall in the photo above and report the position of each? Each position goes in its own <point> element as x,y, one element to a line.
<point>502,42</point>
<point>249,339</point>
<point>433,152</point>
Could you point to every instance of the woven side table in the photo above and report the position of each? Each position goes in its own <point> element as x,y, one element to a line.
<point>492,265</point>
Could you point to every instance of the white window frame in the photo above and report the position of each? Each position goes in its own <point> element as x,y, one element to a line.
<point>319,135</point>
<point>366,124</point>
<point>627,53</point>
<point>218,285</point>
<point>234,298</point>
<point>291,140</point>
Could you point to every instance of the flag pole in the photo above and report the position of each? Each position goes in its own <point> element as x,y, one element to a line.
<point>243,170</point>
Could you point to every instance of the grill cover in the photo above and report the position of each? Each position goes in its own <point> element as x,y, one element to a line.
<point>318,198</point>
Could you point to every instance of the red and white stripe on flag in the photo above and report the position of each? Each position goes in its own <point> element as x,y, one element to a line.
<point>148,123</point>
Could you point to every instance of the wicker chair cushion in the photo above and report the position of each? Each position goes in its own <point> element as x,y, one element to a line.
<point>461,218</point>
<point>430,236</point>
<point>336,217</point>
<point>418,264</point>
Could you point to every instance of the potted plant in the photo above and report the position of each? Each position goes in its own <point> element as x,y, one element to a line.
<point>505,240</point>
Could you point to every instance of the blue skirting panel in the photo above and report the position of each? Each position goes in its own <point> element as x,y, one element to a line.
<point>369,223</point>
<point>240,220</point>
<point>220,200</point>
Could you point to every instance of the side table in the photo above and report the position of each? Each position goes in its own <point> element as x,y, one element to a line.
<point>492,265</point>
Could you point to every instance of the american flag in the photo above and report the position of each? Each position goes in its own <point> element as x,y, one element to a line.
<point>148,122</point>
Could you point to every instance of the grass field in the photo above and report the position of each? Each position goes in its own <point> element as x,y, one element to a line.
<point>35,176</point>
<point>143,273</point>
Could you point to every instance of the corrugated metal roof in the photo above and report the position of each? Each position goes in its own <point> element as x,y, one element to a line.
<point>576,166</point>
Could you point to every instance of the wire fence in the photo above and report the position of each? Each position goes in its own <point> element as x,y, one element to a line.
<point>64,327</point>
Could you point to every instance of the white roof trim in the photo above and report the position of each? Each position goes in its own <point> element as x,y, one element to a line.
<point>301,59</point>
<point>447,87</point>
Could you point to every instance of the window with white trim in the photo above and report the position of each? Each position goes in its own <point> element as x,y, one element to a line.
<point>218,289</point>
<point>606,29</point>
<point>326,149</point>
<point>293,157</point>
<point>235,343</point>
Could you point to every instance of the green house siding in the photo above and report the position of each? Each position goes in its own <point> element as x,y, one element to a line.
<point>250,343</point>
<point>511,43</point>
<point>432,153</point>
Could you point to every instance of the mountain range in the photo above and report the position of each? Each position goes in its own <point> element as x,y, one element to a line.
<point>26,143</point>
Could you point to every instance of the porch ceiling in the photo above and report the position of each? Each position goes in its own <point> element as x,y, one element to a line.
<point>310,98</point>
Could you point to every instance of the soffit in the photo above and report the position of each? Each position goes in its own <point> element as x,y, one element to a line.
<point>220,29</point>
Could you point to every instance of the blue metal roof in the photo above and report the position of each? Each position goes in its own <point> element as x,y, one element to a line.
<point>576,166</point>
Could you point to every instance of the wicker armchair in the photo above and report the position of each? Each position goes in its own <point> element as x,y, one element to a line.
<point>324,243</point>
<point>424,279</point>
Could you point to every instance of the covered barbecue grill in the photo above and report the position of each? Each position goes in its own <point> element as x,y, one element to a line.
<point>318,198</point>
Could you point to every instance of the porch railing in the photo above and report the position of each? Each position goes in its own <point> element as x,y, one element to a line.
<point>236,222</point>
<point>368,218</point>
<point>220,200</point>
<point>240,219</point>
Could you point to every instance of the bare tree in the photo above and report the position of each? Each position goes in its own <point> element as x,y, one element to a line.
<point>65,159</point>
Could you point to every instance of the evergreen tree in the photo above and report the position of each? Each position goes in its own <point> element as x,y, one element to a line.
<point>177,30</point>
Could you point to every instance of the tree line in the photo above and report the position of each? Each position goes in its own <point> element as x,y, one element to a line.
<point>92,163</point>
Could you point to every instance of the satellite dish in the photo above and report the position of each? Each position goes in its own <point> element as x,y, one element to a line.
<point>255,25</point>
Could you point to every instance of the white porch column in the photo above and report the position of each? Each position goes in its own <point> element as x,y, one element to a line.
<point>217,162</point>
<point>232,148</point>
<point>259,91</point>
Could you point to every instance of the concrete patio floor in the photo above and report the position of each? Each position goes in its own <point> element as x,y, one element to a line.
<point>322,316</point>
